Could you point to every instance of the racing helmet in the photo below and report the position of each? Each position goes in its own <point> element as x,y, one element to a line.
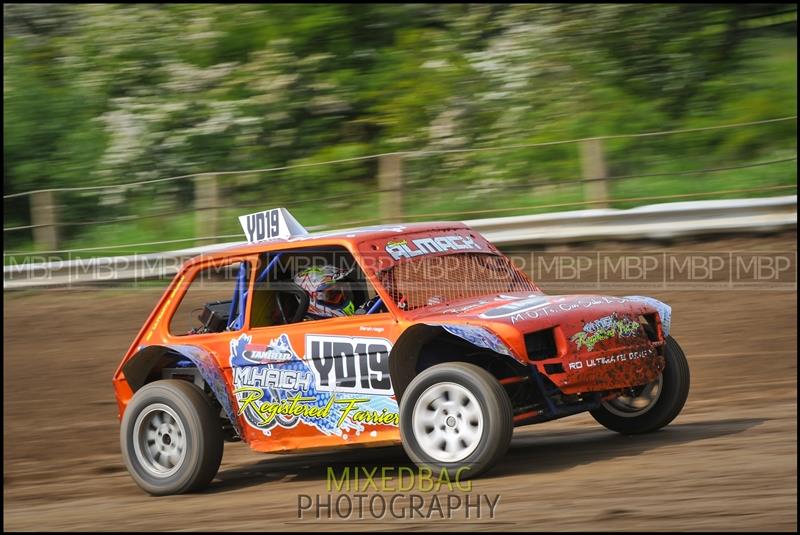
<point>327,296</point>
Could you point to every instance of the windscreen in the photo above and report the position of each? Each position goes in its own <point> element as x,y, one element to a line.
<point>432,280</point>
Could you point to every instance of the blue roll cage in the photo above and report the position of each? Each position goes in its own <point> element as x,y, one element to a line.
<point>240,294</point>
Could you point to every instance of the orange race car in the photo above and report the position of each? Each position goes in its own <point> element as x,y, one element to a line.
<point>420,334</point>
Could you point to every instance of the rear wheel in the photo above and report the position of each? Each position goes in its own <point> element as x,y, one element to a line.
<point>651,406</point>
<point>171,438</point>
<point>456,417</point>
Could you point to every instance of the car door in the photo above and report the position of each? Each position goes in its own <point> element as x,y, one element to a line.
<point>312,382</point>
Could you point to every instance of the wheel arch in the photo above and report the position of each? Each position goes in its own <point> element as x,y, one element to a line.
<point>424,345</point>
<point>664,310</point>
<point>139,370</point>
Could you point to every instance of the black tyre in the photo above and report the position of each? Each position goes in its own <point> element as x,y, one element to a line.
<point>171,438</point>
<point>456,417</point>
<point>656,404</point>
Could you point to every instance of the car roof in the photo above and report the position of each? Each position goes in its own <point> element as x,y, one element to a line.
<point>351,235</point>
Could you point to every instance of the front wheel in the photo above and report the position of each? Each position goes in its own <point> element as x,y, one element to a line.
<point>455,417</point>
<point>171,438</point>
<point>653,405</point>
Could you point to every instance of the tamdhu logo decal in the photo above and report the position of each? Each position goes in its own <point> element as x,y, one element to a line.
<point>277,350</point>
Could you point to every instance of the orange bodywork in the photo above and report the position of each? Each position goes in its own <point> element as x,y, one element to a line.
<point>364,411</point>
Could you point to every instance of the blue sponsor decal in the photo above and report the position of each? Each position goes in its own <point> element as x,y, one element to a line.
<point>478,336</point>
<point>212,375</point>
<point>664,310</point>
<point>274,386</point>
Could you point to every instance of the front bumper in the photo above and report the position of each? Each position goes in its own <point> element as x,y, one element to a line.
<point>609,367</point>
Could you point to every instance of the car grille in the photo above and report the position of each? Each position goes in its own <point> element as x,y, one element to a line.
<point>540,345</point>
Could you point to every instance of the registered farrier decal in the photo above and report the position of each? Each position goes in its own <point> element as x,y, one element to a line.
<point>274,386</point>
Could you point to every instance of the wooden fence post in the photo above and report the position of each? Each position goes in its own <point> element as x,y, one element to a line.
<point>593,166</point>
<point>206,205</point>
<point>390,187</point>
<point>44,218</point>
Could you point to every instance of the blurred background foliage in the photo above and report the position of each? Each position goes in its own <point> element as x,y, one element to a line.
<point>103,94</point>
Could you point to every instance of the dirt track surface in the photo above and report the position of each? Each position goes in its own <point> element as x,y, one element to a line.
<point>728,462</point>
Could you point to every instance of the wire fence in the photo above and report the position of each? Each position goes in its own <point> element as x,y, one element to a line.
<point>402,153</point>
<point>357,222</point>
<point>595,188</point>
<point>435,189</point>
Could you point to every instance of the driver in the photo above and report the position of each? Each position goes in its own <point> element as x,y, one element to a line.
<point>328,296</point>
